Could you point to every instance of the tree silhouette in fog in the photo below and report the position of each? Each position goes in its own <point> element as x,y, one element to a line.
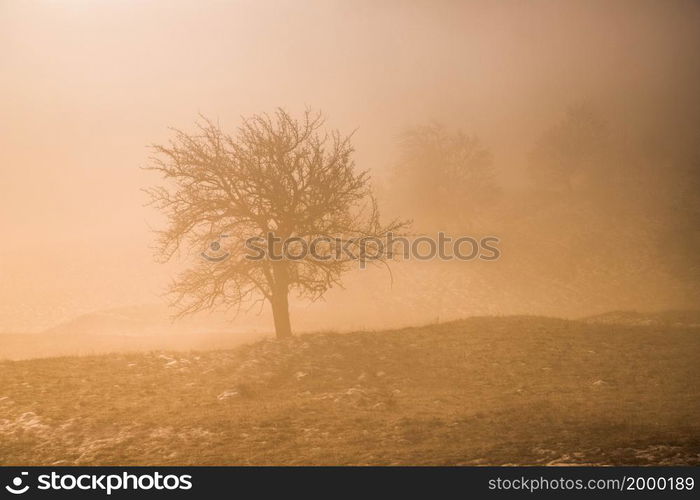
<point>451,173</point>
<point>278,179</point>
<point>573,154</point>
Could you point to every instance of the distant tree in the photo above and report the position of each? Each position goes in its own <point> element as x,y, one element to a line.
<point>572,153</point>
<point>675,215</point>
<point>449,177</point>
<point>277,177</point>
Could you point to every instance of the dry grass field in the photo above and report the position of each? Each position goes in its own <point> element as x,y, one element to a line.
<point>509,390</point>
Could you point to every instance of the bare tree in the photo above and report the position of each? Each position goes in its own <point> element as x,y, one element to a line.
<point>575,152</point>
<point>451,173</point>
<point>277,180</point>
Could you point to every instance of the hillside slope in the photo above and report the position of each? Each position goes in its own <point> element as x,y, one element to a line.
<point>511,390</point>
<point>143,327</point>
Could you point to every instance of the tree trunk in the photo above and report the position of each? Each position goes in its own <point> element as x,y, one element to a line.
<point>280,313</point>
<point>280,302</point>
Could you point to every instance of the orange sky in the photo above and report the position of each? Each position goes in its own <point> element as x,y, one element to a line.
<point>85,86</point>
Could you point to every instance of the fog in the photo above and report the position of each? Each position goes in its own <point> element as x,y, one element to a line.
<point>87,86</point>
<point>349,232</point>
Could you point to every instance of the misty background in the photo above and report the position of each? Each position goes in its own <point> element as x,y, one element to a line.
<point>588,113</point>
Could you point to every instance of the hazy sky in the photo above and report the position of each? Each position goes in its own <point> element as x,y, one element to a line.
<point>86,85</point>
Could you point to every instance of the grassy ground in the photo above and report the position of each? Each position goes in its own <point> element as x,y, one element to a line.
<point>515,390</point>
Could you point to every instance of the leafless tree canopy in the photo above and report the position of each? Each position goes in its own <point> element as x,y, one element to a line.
<point>574,154</point>
<point>451,172</point>
<point>276,176</point>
